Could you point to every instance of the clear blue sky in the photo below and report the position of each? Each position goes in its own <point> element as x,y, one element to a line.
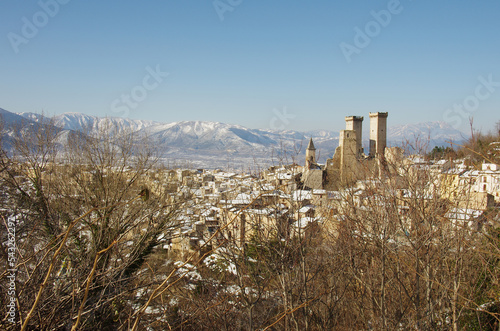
<point>246,61</point>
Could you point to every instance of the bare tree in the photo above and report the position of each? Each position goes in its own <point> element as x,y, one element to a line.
<point>87,222</point>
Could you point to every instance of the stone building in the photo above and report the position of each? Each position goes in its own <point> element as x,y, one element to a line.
<point>312,175</point>
<point>378,133</point>
<point>349,163</point>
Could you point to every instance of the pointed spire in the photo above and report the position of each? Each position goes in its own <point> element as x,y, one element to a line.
<point>311,145</point>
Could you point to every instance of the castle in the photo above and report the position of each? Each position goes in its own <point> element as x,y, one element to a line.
<point>349,162</point>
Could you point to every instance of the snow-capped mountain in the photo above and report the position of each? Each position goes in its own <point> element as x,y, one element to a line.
<point>214,144</point>
<point>12,118</point>
<point>211,135</point>
<point>83,122</point>
<point>434,131</point>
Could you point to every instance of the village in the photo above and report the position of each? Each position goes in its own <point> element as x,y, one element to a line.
<point>290,200</point>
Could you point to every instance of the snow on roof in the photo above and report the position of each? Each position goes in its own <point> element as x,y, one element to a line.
<point>301,195</point>
<point>267,187</point>
<point>304,222</point>
<point>470,173</point>
<point>183,219</point>
<point>241,201</point>
<point>453,171</point>
<point>284,176</point>
<point>462,214</point>
<point>210,210</point>
<point>416,195</point>
<point>417,159</point>
<point>276,193</point>
<point>334,195</point>
<point>305,209</point>
<point>225,174</point>
<point>264,211</point>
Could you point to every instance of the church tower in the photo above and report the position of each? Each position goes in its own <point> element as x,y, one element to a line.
<point>310,154</point>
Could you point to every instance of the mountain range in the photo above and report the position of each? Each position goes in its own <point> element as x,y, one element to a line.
<point>202,144</point>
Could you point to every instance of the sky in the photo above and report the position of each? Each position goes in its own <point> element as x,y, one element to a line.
<point>292,65</point>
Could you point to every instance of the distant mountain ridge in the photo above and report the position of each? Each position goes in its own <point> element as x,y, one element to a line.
<point>81,122</point>
<point>435,131</point>
<point>214,144</point>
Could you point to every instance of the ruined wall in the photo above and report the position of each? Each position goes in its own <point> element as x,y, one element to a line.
<point>332,172</point>
<point>313,179</point>
<point>355,123</point>
<point>348,156</point>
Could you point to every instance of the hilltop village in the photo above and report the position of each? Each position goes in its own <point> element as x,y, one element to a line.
<point>163,244</point>
<point>293,199</point>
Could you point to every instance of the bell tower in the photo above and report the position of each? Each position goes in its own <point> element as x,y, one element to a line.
<point>310,154</point>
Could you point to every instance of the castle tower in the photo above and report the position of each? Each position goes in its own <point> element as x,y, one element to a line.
<point>348,155</point>
<point>310,154</point>
<point>355,123</point>
<point>378,133</point>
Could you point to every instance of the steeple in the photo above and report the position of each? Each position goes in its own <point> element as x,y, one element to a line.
<point>311,145</point>
<point>310,154</point>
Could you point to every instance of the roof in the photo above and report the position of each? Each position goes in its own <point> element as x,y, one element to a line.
<point>304,222</point>
<point>462,214</point>
<point>305,209</point>
<point>318,191</point>
<point>311,145</point>
<point>301,195</point>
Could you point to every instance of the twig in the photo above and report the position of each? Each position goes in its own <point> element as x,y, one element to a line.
<point>82,305</point>
<point>292,311</point>
<point>56,253</point>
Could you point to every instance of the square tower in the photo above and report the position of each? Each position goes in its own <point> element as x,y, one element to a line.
<point>348,155</point>
<point>355,123</point>
<point>378,133</point>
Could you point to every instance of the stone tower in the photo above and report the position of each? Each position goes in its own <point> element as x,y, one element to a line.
<point>378,133</point>
<point>310,154</point>
<point>355,123</point>
<point>348,155</point>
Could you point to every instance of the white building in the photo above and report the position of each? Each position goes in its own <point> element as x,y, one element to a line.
<point>488,180</point>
